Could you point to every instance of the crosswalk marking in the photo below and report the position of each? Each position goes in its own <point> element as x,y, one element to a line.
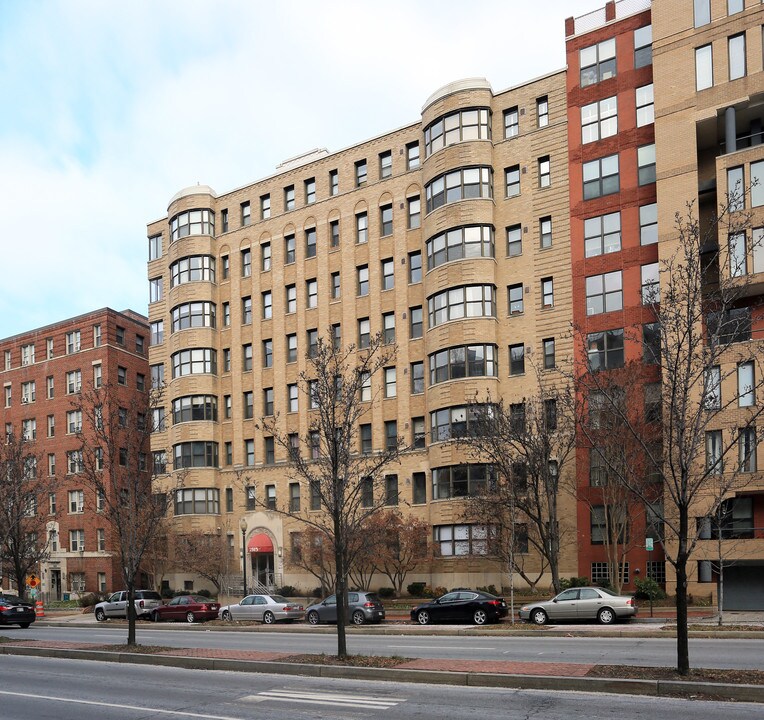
<point>370,702</point>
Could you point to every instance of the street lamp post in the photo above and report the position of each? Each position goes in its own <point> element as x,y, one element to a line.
<point>243,526</point>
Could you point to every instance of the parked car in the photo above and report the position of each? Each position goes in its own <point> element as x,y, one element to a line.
<point>265,608</point>
<point>473,606</point>
<point>15,611</point>
<point>588,603</point>
<point>116,605</point>
<point>187,607</point>
<point>363,607</point>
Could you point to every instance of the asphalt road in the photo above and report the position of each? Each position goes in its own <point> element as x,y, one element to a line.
<point>660,652</point>
<point>51,689</point>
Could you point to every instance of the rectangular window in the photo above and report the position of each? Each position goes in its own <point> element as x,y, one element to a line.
<point>265,257</point>
<point>414,212</point>
<point>601,177</point>
<point>549,359</point>
<point>267,353</point>
<point>361,228</point>
<point>597,62</point>
<point>704,67</point>
<point>517,359</point>
<point>412,156</point>
<point>360,173</point>
<point>646,164</point>
<point>248,401</point>
<point>645,101</point>
<point>735,188</point>
<point>737,255</point>
<point>547,292</point>
<point>746,389</point>
<point>270,451</point>
<point>602,234</point>
<point>604,293</point>
<point>265,207</point>
<point>514,240</point>
<point>735,6</point>
<point>390,383</point>
<point>289,198</point>
<point>310,243</point>
<point>289,249</point>
<point>291,344</point>
<point>648,224</point>
<point>226,266</point>
<point>246,263</point>
<point>364,333</point>
<point>388,274</point>
<point>653,403</point>
<point>49,344</point>
<point>246,310</point>
<point>736,50</point>
<point>291,298</point>
<point>73,342</point>
<point>334,182</point>
<point>515,295</point>
<point>294,494</point>
<point>267,305</point>
<point>416,322</point>
<point>643,46</point>
<point>364,386</point>
<point>512,181</point>
<point>367,492</point>
<point>419,488</point>
<point>365,435</point>
<point>391,435</point>
<point>542,111</point>
<point>511,123</point>
<point>385,165</point>
<point>224,219</point>
<point>362,273</point>
<point>714,452</point>
<point>651,288</point>
<point>270,497</point>
<point>155,247</point>
<point>747,449</point>
<point>702,12</point>
<point>334,232</point>
<point>712,388</point>
<point>391,488</point>
<point>388,328</point>
<point>415,267</point>
<point>310,191</point>
<point>335,285</point>
<point>599,120</point>
<point>605,349</point>
<point>545,172</point>
<point>337,336</point>
<point>249,452</point>
<point>386,220</point>
<point>246,355</point>
<point>545,232</point>
<point>311,293</point>
<point>246,213</point>
<point>293,397</point>
<point>312,339</point>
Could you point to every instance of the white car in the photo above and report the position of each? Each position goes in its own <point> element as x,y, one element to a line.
<point>263,608</point>
<point>116,605</point>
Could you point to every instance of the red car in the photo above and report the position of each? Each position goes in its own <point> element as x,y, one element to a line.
<point>187,607</point>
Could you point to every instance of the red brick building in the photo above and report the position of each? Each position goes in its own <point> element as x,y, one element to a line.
<point>42,371</point>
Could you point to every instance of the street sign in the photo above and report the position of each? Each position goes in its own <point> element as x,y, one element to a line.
<point>649,544</point>
<point>33,581</point>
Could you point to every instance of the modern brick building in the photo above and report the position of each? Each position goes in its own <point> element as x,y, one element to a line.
<point>42,372</point>
<point>476,237</point>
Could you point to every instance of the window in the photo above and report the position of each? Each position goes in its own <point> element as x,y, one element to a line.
<point>192,222</point>
<point>27,354</point>
<point>645,105</point>
<point>605,349</point>
<point>73,342</point>
<point>335,284</point>
<point>361,228</point>
<point>74,461</point>
<point>736,521</point>
<point>651,290</point>
<point>512,181</point>
<point>77,544</point>
<point>310,191</point>
<point>653,403</point>
<point>459,126</point>
<point>364,333</point>
<point>289,249</point>
<point>460,481</point>
<point>157,376</point>
<point>246,213</point>
<point>712,388</point>
<point>599,120</point>
<point>362,273</point>
<point>224,219</point>
<point>76,501</point>
<point>458,185</point>
<point>643,46</point>
<point>49,345</point>
<point>388,275</point>
<point>365,435</point>
<point>545,173</point>
<point>74,380</point>
<point>597,62</point>
<point>412,156</point>
<point>419,488</point>
<point>7,396</point>
<point>267,305</point>
<point>311,293</point>
<point>388,328</point>
<point>337,336</point>
<point>390,383</point>
<point>193,315</point>
<point>194,408</point>
<point>646,164</point>
<point>156,336</point>
<point>196,361</point>
<point>648,224</point>
<point>367,492</point>
<point>747,449</point>
<point>651,343</point>
<point>511,123</point>
<point>155,247</point>
<point>29,427</point>
<point>265,257</point>
<point>731,326</point>
<point>517,359</point>
<point>514,240</point>
<point>226,263</point>
<point>310,243</point>
<point>51,427</point>
<point>746,392</point>
<point>735,6</point>
<point>291,298</point>
<point>197,501</point>
<point>386,220</point>
<point>74,420</point>
<point>360,173</point>
<point>547,292</point>
<point>289,198</point>
<point>602,234</point>
<point>385,165</point>
<point>472,241</point>
<point>549,359</point>
<point>463,361</point>
<point>542,111</point>
<point>246,310</point>
<point>735,188</point>
<point>702,12</point>
<point>417,378</point>
<point>312,339</point>
<point>334,232</point>
<point>28,392</point>
<point>415,267</point>
<point>736,50</point>
<point>294,493</point>
<point>334,182</point>
<point>291,344</point>
<point>416,321</point>
<point>545,232</point>
<point>391,486</point>
<point>246,357</point>
<point>246,263</point>
<point>265,207</point>
<point>604,293</point>
<point>101,547</point>
<point>270,451</point>
<point>714,452</point>
<point>227,407</point>
<point>601,177</point>
<point>365,386</point>
<point>515,297</point>
<point>292,397</point>
<point>461,302</point>
<point>704,67</point>
<point>98,379</point>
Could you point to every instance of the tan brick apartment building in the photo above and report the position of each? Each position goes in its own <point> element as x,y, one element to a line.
<point>465,236</point>
<point>42,371</point>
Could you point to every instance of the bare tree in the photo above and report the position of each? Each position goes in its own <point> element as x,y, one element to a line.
<point>702,325</point>
<point>115,462</point>
<point>343,478</point>
<point>207,554</point>
<point>405,547</point>
<point>24,492</point>
<point>312,552</point>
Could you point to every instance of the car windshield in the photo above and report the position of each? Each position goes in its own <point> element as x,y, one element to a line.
<point>279,599</point>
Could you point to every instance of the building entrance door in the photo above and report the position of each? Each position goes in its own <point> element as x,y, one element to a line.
<point>263,568</point>
<point>55,584</point>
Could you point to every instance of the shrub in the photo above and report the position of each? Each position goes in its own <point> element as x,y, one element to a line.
<point>648,589</point>
<point>491,589</point>
<point>416,589</point>
<point>91,599</point>
<point>204,593</point>
<point>438,591</point>
<point>573,582</point>
<point>317,592</point>
<point>167,593</point>
<point>288,591</point>
<point>386,592</point>
<point>177,593</point>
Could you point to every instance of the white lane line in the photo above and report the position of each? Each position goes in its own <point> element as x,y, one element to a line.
<point>442,647</point>
<point>333,696</point>
<point>369,702</point>
<point>329,703</point>
<point>119,706</point>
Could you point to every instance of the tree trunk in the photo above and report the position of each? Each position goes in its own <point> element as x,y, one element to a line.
<point>682,642</point>
<point>340,587</point>
<point>130,612</point>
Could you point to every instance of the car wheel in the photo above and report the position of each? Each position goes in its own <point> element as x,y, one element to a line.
<point>606,616</point>
<point>100,615</point>
<point>269,618</point>
<point>358,617</point>
<point>24,626</point>
<point>226,615</point>
<point>539,617</point>
<point>313,618</point>
<point>190,617</point>
<point>423,617</point>
<point>480,617</point>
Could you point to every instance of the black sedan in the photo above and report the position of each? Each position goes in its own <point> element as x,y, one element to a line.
<point>15,611</point>
<point>472,606</point>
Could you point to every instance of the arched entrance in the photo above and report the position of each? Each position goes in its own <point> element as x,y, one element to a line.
<point>260,552</point>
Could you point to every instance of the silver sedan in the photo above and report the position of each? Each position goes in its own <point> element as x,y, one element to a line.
<point>581,604</point>
<point>263,608</point>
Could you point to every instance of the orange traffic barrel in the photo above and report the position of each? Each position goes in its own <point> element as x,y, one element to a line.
<point>39,610</point>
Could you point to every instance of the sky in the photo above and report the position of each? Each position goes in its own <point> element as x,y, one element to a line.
<point>110,107</point>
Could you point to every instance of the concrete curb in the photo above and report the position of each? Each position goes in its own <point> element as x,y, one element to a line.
<point>621,686</point>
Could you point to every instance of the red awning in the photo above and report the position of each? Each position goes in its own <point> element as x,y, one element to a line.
<point>260,543</point>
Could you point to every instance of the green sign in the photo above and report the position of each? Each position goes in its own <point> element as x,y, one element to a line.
<point>649,544</point>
